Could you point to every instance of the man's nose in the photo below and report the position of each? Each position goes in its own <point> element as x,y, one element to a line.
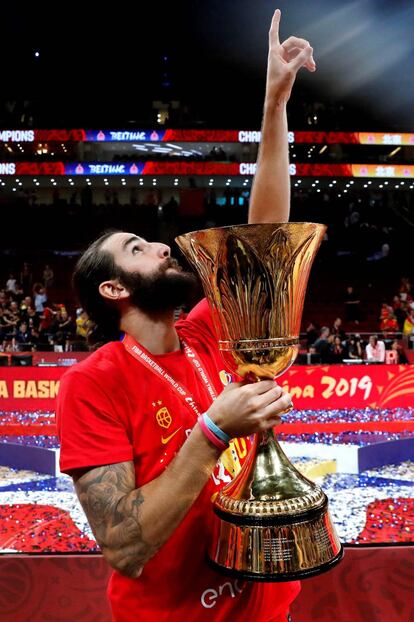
<point>162,250</point>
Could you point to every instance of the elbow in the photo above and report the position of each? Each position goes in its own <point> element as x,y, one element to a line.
<point>130,570</point>
<point>128,561</point>
<point>124,564</point>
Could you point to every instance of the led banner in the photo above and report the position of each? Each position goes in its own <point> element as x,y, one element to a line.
<point>189,168</point>
<point>402,171</point>
<point>118,136</point>
<point>381,170</point>
<point>248,136</point>
<point>29,388</point>
<point>32,168</point>
<point>313,387</point>
<point>177,136</point>
<point>207,136</point>
<point>17,169</point>
<point>317,387</point>
<point>30,136</point>
<point>355,138</point>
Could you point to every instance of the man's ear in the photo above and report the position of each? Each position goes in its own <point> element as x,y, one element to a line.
<point>113,291</point>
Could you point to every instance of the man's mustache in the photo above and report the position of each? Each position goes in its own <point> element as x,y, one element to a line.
<point>170,262</point>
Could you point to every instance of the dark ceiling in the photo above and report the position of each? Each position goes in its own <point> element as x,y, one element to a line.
<point>105,66</point>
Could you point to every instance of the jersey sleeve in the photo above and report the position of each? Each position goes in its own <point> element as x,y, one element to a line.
<point>90,424</point>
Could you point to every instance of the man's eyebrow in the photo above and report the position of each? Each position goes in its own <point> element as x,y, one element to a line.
<point>133,238</point>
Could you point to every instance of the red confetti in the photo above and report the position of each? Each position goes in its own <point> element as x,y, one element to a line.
<point>30,528</point>
<point>388,520</point>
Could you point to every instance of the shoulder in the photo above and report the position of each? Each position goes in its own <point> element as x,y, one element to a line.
<point>103,365</point>
<point>198,320</point>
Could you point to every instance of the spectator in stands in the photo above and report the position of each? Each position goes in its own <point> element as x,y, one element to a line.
<point>24,335</point>
<point>26,277</point>
<point>388,321</point>
<point>338,352</point>
<point>401,357</point>
<point>400,311</point>
<point>48,276</point>
<point>25,305</point>
<point>19,295</point>
<point>405,288</point>
<point>64,324</point>
<point>322,345</point>
<point>3,299</point>
<point>32,319</point>
<point>337,330</point>
<point>5,324</point>
<point>12,316</point>
<point>40,297</point>
<point>11,284</point>
<point>408,329</point>
<point>354,348</point>
<point>312,335</point>
<point>375,350</point>
<point>83,324</point>
<point>46,323</point>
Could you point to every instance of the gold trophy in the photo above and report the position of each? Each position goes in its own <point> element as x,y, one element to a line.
<point>270,522</point>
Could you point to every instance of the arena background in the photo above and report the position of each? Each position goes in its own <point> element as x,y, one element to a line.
<point>132,122</point>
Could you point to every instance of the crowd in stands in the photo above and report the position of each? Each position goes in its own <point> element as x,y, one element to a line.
<point>29,320</point>
<point>395,332</point>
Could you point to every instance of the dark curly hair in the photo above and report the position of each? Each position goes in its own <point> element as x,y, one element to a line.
<point>93,267</point>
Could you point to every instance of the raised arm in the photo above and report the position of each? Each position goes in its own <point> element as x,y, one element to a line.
<point>270,195</point>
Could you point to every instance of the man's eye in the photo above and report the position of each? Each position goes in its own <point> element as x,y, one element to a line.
<point>135,249</point>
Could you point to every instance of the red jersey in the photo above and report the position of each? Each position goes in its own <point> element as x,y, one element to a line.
<point>112,409</point>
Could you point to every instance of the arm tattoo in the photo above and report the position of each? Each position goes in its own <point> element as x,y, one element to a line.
<point>112,505</point>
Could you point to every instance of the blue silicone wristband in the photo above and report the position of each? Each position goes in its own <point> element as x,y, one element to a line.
<point>215,429</point>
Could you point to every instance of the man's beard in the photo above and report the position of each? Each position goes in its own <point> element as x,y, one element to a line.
<point>161,291</point>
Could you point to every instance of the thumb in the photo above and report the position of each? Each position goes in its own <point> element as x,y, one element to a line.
<point>301,59</point>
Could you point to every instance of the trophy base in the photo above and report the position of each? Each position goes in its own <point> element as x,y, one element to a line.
<point>274,548</point>
<point>298,575</point>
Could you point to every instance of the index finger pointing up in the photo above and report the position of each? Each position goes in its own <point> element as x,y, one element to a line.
<point>274,28</point>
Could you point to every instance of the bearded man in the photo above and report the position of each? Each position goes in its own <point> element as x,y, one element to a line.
<point>136,417</point>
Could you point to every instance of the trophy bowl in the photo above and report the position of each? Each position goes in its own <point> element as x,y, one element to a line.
<point>270,523</point>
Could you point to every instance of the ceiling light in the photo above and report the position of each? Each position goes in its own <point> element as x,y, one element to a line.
<point>394,151</point>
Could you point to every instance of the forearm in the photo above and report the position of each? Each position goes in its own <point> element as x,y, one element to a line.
<point>270,195</point>
<point>130,528</point>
